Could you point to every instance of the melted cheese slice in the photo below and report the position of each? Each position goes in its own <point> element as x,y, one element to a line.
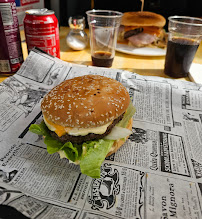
<point>61,130</point>
<point>58,129</point>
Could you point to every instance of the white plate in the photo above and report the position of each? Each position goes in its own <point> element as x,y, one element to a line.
<point>144,51</point>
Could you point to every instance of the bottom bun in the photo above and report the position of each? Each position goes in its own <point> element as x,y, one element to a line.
<point>118,143</point>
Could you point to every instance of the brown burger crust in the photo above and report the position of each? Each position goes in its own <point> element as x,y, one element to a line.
<point>143,18</point>
<point>85,101</point>
<point>117,144</point>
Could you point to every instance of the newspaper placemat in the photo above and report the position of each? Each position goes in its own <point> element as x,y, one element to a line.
<point>156,174</point>
<point>195,73</point>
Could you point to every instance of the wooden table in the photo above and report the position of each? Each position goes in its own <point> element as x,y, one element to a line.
<point>142,65</point>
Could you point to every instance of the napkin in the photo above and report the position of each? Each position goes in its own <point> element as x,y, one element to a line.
<point>195,73</point>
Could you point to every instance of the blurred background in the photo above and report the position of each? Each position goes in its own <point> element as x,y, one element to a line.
<point>66,8</point>
<point>166,8</point>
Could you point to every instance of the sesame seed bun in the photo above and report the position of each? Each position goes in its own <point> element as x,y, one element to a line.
<point>117,144</point>
<point>86,101</point>
<point>143,18</point>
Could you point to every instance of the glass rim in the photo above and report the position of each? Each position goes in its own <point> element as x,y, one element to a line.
<point>174,19</point>
<point>91,13</point>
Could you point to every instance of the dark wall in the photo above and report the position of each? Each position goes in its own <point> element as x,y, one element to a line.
<point>71,8</point>
<point>165,7</point>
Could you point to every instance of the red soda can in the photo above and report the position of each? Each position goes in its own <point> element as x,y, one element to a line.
<point>11,56</point>
<point>41,30</point>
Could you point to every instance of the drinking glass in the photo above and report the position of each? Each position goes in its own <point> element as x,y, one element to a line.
<point>185,34</point>
<point>103,29</point>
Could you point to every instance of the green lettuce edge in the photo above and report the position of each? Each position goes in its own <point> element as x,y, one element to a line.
<point>90,154</point>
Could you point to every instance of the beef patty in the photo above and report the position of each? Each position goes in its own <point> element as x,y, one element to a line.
<point>91,136</point>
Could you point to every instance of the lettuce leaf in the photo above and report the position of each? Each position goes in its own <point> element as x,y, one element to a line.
<point>90,154</point>
<point>118,133</point>
<point>52,144</point>
<point>71,151</point>
<point>95,153</point>
<point>40,129</point>
<point>127,116</point>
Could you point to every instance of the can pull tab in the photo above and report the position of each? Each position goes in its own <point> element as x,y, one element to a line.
<point>43,10</point>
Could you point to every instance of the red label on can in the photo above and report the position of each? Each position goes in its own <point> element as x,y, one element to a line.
<point>42,32</point>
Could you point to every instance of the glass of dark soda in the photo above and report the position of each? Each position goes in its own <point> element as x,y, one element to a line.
<point>103,29</point>
<point>185,34</point>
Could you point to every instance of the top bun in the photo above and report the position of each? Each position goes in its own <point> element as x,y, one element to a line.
<point>86,101</point>
<point>143,18</point>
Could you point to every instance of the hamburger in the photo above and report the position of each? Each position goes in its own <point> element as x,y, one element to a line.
<point>86,119</point>
<point>142,29</point>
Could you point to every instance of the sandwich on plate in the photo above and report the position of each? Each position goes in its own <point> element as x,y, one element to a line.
<point>86,119</point>
<point>142,29</point>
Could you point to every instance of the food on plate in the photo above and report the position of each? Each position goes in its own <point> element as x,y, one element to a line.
<point>86,119</point>
<point>142,29</point>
